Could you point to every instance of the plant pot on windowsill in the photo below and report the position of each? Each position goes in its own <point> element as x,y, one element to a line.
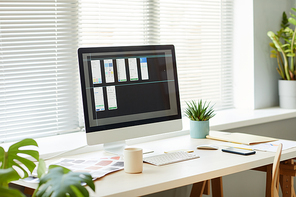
<point>199,115</point>
<point>287,94</point>
<point>284,50</point>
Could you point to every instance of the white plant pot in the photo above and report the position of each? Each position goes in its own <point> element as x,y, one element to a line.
<point>287,94</point>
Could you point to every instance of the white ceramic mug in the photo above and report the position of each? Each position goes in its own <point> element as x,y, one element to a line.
<point>133,160</point>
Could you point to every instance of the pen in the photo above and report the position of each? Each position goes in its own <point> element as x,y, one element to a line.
<point>243,148</point>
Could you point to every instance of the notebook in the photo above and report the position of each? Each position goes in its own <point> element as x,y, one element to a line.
<point>240,138</point>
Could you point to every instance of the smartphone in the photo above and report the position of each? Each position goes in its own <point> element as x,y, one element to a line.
<point>238,151</point>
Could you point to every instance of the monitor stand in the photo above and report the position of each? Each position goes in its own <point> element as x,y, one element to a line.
<point>119,146</point>
<point>115,147</point>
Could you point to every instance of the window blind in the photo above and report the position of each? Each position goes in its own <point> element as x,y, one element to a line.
<point>39,85</point>
<point>38,69</point>
<point>112,22</point>
<point>202,34</point>
<point>200,30</point>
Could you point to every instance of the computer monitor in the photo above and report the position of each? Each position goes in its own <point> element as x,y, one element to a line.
<point>129,92</point>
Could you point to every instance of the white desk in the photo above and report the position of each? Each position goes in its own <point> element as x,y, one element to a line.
<point>211,164</point>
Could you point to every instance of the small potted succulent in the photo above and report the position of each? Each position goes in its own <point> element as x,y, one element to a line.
<point>199,115</point>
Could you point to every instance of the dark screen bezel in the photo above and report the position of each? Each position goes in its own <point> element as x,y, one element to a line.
<point>81,51</point>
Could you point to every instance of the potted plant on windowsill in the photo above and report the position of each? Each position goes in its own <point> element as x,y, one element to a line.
<point>199,115</point>
<point>283,44</point>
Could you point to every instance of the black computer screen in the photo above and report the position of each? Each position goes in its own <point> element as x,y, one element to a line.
<point>127,86</point>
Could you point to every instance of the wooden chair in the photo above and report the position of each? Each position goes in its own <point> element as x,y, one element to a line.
<point>276,172</point>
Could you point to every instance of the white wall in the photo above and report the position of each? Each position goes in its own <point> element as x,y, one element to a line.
<point>243,54</point>
<point>255,76</point>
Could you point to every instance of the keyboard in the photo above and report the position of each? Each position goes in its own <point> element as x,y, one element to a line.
<point>168,158</point>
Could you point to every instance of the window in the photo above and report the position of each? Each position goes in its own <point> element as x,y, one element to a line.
<point>200,30</point>
<point>201,33</point>
<point>38,68</point>
<point>39,83</point>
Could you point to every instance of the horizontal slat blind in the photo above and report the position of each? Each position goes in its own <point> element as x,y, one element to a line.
<point>200,30</point>
<point>38,53</point>
<point>38,68</point>
<point>201,33</point>
<point>111,22</point>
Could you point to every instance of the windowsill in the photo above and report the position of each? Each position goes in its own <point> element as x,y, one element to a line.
<point>75,143</point>
<point>233,118</point>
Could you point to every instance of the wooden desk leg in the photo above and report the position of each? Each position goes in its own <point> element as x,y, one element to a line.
<point>29,191</point>
<point>197,189</point>
<point>217,187</point>
<point>287,185</point>
<point>268,180</point>
<point>207,189</point>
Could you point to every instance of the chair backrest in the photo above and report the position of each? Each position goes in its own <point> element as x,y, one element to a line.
<point>275,172</point>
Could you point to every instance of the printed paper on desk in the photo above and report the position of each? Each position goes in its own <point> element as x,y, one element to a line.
<point>96,167</point>
<point>272,146</point>
<point>268,146</point>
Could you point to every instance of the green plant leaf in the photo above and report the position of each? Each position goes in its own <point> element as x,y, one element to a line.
<point>292,21</point>
<point>14,153</point>
<point>60,181</point>
<point>286,45</point>
<point>288,41</point>
<point>285,22</point>
<point>2,157</point>
<point>293,15</point>
<point>8,192</point>
<point>65,170</point>
<point>272,45</point>
<point>8,175</point>
<point>76,191</point>
<point>199,111</point>
<point>41,170</point>
<point>288,50</point>
<point>288,30</point>
<point>273,51</point>
<point>275,40</point>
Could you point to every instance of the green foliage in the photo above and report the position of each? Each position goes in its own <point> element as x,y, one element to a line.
<point>41,170</point>
<point>58,181</point>
<point>7,192</point>
<point>283,68</point>
<point>284,44</point>
<point>199,111</point>
<point>285,22</point>
<point>62,182</point>
<point>7,175</point>
<point>13,158</point>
